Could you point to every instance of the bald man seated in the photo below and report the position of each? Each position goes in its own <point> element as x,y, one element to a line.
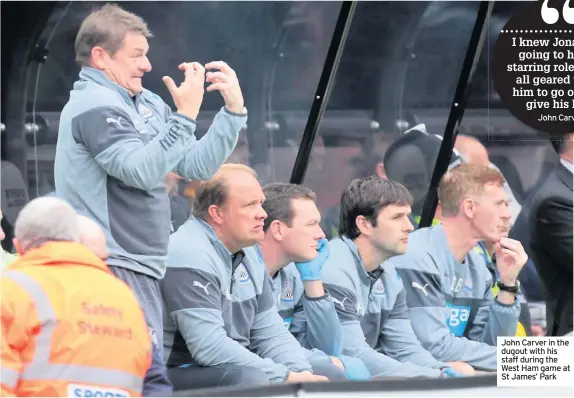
<point>473,151</point>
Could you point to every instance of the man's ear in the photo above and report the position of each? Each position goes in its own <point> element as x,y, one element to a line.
<point>277,229</point>
<point>438,212</point>
<point>468,207</point>
<point>363,225</point>
<point>17,246</point>
<point>215,214</point>
<point>99,57</point>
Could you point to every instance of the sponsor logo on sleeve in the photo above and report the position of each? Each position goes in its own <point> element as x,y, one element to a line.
<point>204,287</point>
<point>340,302</point>
<point>422,288</point>
<point>117,122</point>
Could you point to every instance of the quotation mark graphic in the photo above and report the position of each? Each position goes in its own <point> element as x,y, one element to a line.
<point>534,73</point>
<point>551,15</point>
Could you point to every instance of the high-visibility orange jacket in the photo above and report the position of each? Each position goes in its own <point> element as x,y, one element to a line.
<point>70,327</point>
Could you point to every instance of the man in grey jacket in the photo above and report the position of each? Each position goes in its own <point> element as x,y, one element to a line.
<point>221,326</point>
<point>294,250</point>
<point>442,274</point>
<point>117,142</point>
<point>369,295</point>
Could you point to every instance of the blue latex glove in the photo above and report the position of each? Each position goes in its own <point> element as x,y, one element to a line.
<point>450,372</point>
<point>311,270</point>
<point>355,369</point>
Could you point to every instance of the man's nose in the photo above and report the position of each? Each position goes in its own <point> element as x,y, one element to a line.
<point>146,65</point>
<point>506,213</point>
<point>319,233</point>
<point>409,227</point>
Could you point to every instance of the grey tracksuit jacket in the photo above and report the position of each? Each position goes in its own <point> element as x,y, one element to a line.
<point>374,316</point>
<point>112,157</point>
<point>451,305</point>
<point>219,308</point>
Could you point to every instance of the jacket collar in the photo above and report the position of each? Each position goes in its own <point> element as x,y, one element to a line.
<point>99,77</point>
<point>60,254</point>
<point>236,258</point>
<point>212,236</point>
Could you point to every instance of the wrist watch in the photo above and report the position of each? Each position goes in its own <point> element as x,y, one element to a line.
<point>506,288</point>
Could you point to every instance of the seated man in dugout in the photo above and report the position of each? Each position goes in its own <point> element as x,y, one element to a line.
<point>473,151</point>
<point>416,148</point>
<point>221,327</point>
<point>368,293</point>
<point>64,312</point>
<point>441,271</point>
<point>294,250</point>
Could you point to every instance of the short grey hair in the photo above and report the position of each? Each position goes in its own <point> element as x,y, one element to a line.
<point>214,191</point>
<point>46,219</point>
<point>107,27</point>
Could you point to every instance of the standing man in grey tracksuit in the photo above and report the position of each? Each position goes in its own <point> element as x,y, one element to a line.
<point>452,308</point>
<point>221,326</point>
<point>370,298</point>
<point>117,142</point>
<point>294,250</point>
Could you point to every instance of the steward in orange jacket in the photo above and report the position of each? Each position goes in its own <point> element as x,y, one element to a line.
<point>70,327</point>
